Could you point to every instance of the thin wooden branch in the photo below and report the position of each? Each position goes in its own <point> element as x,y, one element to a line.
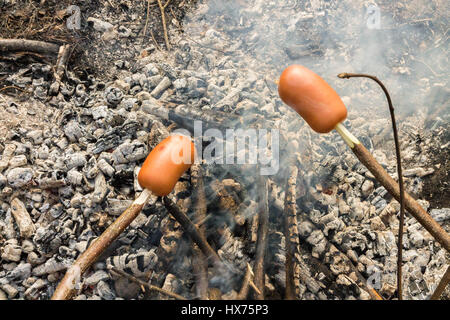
<point>154,41</point>
<point>199,200</point>
<point>146,19</point>
<point>291,231</point>
<point>162,8</point>
<point>441,286</point>
<point>28,45</point>
<point>193,232</point>
<point>68,284</point>
<point>147,285</point>
<point>400,175</point>
<point>261,242</point>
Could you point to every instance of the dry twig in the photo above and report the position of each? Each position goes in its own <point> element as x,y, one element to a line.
<point>242,295</point>
<point>261,242</point>
<point>11,87</point>
<point>400,176</point>
<point>28,45</point>
<point>154,41</point>
<point>193,232</point>
<point>162,8</point>
<point>147,285</point>
<point>146,19</point>
<point>63,58</point>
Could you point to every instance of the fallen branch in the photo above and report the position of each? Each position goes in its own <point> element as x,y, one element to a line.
<point>28,45</point>
<point>146,19</point>
<point>147,285</point>
<point>442,285</point>
<point>261,242</point>
<point>66,288</point>
<point>61,63</point>
<point>193,232</point>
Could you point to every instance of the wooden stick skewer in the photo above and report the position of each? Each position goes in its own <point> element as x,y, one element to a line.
<point>441,286</point>
<point>158,175</point>
<point>68,285</point>
<point>411,205</point>
<point>399,171</point>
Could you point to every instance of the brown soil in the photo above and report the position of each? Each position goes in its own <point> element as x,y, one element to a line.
<point>436,187</point>
<point>46,21</point>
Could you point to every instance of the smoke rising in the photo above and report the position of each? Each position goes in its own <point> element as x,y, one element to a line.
<point>247,44</point>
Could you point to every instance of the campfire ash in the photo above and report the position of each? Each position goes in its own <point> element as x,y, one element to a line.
<point>320,227</point>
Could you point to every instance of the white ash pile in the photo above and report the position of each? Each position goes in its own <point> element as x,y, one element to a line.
<point>66,178</point>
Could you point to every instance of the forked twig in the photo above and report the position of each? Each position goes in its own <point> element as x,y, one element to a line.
<point>400,176</point>
<point>162,8</point>
<point>147,285</point>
